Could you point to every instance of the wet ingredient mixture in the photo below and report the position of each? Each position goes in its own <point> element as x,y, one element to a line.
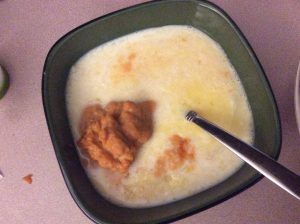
<point>127,101</point>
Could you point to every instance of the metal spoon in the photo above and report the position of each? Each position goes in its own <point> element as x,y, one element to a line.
<point>297,98</point>
<point>267,166</point>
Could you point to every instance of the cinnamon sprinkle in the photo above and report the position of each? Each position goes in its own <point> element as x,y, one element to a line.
<point>181,151</point>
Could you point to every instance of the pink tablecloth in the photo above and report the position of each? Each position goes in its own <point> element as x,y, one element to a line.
<point>29,28</point>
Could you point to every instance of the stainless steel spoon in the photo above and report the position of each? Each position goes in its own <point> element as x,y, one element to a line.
<point>297,98</point>
<point>267,166</point>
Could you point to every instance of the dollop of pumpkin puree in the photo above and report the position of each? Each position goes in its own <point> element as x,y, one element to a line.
<point>111,136</point>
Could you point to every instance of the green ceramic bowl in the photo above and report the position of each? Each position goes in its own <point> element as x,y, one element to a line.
<point>199,14</point>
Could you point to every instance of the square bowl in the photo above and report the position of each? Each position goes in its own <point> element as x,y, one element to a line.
<point>201,15</point>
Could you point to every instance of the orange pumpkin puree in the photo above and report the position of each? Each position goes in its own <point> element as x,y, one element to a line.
<point>111,136</point>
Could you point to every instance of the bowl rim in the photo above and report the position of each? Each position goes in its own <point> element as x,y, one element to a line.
<point>256,178</point>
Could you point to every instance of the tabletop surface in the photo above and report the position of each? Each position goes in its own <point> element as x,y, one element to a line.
<point>29,28</point>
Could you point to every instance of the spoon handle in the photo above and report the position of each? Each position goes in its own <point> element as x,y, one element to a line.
<point>267,166</point>
<point>297,98</point>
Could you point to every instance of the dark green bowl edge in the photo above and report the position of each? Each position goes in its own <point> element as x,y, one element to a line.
<point>256,178</point>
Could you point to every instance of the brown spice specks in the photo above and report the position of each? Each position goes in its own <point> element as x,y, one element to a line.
<point>181,151</point>
<point>127,64</point>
